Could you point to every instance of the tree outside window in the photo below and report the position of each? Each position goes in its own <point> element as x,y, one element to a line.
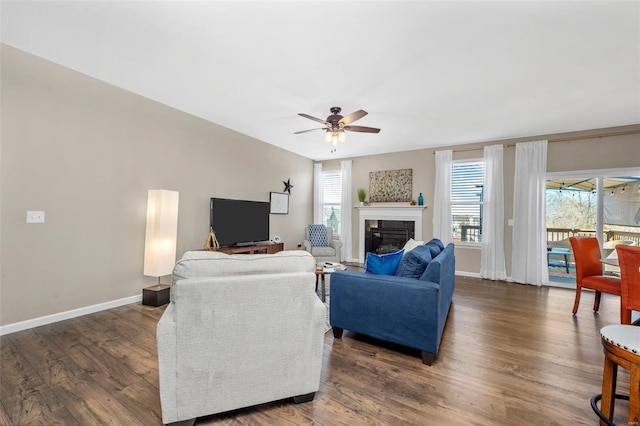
<point>331,200</point>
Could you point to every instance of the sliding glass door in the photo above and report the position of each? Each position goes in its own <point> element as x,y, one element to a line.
<point>603,204</point>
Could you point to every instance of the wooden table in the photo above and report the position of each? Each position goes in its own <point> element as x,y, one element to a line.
<point>613,261</point>
<point>324,268</point>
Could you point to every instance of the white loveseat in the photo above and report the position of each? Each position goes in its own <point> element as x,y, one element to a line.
<point>240,330</point>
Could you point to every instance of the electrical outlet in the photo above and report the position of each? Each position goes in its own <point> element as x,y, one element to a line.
<point>35,217</point>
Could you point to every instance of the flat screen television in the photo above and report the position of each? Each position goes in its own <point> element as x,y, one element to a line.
<point>239,222</point>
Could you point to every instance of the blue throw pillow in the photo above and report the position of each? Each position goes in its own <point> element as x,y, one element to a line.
<point>383,264</point>
<point>318,236</point>
<point>435,246</point>
<point>414,262</point>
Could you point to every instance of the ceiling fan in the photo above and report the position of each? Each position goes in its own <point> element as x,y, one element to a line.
<point>336,125</point>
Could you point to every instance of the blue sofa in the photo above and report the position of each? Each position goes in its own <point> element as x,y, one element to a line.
<point>407,311</point>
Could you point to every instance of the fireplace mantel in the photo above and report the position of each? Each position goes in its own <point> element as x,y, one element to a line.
<point>387,211</point>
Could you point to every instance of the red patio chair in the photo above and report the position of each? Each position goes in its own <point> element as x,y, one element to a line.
<point>586,251</point>
<point>629,260</point>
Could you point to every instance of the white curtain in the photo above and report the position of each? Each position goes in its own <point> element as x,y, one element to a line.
<point>442,197</point>
<point>529,254</point>
<point>346,210</point>
<point>492,265</point>
<point>317,192</point>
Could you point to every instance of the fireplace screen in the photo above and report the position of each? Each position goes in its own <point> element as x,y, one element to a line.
<point>387,236</point>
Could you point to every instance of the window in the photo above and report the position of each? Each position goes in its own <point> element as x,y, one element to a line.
<point>331,200</point>
<point>467,187</point>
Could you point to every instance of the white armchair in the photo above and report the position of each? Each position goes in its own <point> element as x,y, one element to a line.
<point>240,330</point>
<point>328,251</point>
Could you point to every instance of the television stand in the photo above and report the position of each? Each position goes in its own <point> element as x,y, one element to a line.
<point>269,248</point>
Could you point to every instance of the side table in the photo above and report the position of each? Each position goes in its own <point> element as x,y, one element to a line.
<point>323,269</point>
<point>156,295</point>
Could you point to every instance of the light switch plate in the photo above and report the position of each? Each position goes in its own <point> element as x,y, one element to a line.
<point>35,217</point>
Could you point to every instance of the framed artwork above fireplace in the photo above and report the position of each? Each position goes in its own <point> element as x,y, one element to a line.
<point>390,186</point>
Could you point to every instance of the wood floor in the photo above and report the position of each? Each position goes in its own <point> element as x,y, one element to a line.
<point>510,355</point>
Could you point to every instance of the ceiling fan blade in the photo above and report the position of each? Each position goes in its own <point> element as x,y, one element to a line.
<point>362,129</point>
<point>310,130</point>
<point>319,120</point>
<point>353,117</point>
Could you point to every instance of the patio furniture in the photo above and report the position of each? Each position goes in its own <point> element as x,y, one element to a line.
<point>586,251</point>
<point>621,345</point>
<point>629,261</point>
<point>559,251</point>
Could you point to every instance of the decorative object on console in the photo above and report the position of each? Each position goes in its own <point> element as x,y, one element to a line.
<point>287,186</point>
<point>279,203</point>
<point>390,186</point>
<point>276,239</point>
<point>212,243</point>
<point>160,242</point>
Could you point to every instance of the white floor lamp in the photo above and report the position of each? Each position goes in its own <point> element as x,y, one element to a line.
<point>160,243</point>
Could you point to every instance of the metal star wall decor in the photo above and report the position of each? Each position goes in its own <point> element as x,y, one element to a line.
<point>287,186</point>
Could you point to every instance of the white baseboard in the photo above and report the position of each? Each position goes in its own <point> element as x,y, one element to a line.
<point>468,274</point>
<point>49,319</point>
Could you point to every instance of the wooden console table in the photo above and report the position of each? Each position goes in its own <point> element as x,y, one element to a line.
<point>270,248</point>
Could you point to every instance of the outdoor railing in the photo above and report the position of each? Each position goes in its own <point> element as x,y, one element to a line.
<point>472,233</point>
<point>559,234</point>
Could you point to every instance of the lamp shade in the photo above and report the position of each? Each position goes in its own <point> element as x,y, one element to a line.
<point>161,234</point>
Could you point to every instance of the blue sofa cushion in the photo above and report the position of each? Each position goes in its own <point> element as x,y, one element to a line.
<point>383,264</point>
<point>414,262</point>
<point>318,236</point>
<point>435,246</point>
<point>434,272</point>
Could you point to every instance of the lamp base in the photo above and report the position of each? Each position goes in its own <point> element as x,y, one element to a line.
<point>156,295</point>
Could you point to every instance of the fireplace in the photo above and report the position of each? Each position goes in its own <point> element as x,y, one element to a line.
<point>387,236</point>
<point>393,236</point>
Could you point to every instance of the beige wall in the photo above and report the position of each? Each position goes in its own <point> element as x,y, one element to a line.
<point>592,153</point>
<point>86,153</point>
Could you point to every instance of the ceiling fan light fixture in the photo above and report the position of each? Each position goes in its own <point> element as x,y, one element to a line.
<point>337,125</point>
<point>328,135</point>
<point>334,137</point>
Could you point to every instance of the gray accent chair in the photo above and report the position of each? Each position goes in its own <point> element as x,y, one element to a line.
<point>330,253</point>
<point>240,330</point>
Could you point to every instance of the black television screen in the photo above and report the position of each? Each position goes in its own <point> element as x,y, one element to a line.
<point>239,222</point>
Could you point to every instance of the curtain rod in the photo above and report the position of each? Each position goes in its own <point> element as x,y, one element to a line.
<point>565,139</point>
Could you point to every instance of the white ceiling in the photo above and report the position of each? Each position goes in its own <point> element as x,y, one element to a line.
<point>430,74</point>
